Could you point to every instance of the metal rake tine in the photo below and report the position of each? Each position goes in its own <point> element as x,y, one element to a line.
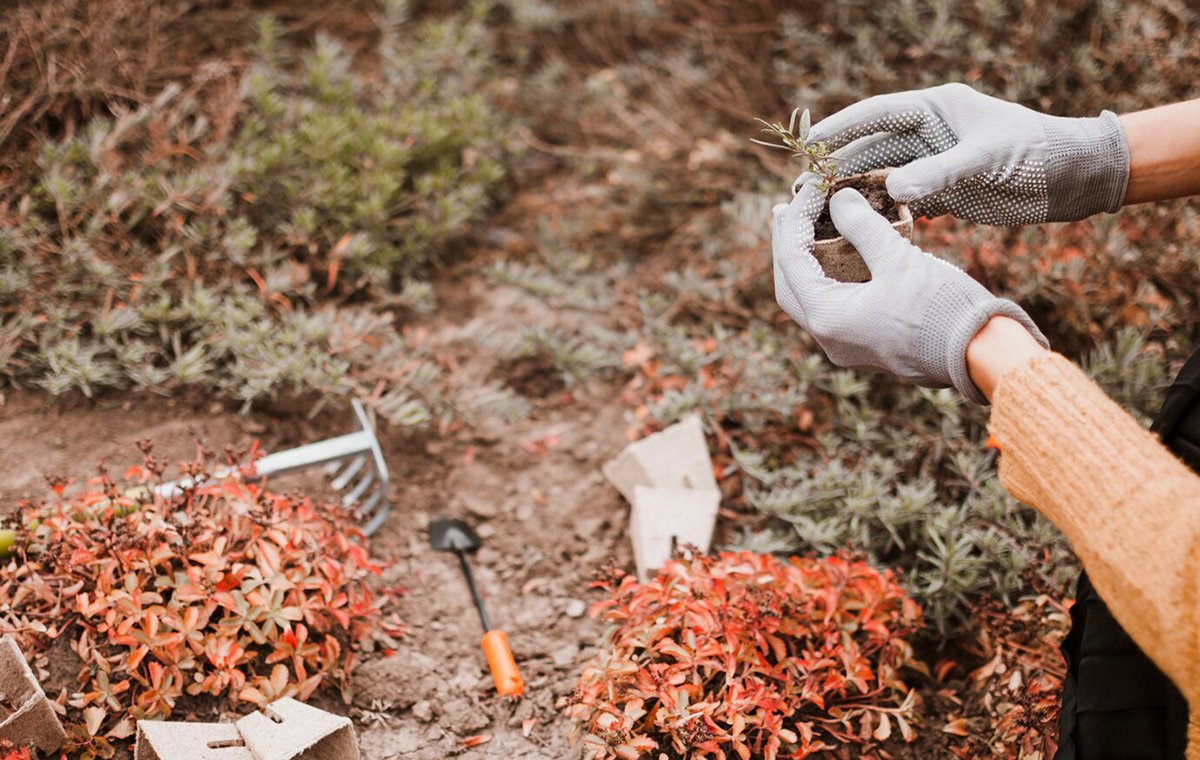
<point>359,488</point>
<point>367,507</point>
<point>342,480</point>
<point>342,458</point>
<point>377,507</point>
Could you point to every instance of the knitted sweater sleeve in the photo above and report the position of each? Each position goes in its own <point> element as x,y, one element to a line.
<point>1130,510</point>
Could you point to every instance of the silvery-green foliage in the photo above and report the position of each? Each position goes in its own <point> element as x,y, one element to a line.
<point>165,248</point>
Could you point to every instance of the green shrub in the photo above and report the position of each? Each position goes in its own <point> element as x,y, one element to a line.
<point>379,175</point>
<point>205,243</point>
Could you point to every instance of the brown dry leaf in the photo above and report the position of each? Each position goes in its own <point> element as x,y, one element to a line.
<point>996,665</point>
<point>957,727</point>
<point>804,419</point>
<point>943,669</point>
<point>122,730</point>
<point>92,718</point>
<point>533,584</point>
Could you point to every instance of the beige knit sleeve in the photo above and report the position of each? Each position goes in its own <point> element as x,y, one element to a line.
<point>1130,510</point>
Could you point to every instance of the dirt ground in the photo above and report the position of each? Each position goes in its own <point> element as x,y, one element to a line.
<point>533,490</point>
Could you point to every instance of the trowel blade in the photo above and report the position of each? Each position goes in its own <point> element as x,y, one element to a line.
<point>449,535</point>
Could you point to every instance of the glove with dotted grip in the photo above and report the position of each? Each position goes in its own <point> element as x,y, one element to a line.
<point>979,158</point>
<point>913,318</point>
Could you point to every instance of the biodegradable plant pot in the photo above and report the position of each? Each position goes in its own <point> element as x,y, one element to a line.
<point>836,256</point>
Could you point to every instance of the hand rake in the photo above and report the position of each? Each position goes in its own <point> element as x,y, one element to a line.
<point>348,456</point>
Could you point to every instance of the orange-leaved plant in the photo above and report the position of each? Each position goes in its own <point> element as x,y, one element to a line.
<point>745,655</point>
<point>225,590</point>
<point>9,751</point>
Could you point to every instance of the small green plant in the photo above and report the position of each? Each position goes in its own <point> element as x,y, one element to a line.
<point>814,155</point>
<point>266,242</point>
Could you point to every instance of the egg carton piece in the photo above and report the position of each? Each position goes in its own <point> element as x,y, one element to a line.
<point>177,740</point>
<point>33,722</point>
<point>291,730</point>
<point>664,518</point>
<point>283,730</point>
<point>676,457</point>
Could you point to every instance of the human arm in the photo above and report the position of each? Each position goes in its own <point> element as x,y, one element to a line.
<point>1164,152</point>
<point>999,346</point>
<point>1129,509</point>
<point>981,158</point>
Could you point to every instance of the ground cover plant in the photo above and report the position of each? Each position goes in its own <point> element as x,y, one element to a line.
<point>746,655</point>
<point>225,592</point>
<point>9,752</point>
<point>206,241</point>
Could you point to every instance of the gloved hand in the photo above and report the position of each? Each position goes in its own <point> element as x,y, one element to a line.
<point>915,316</point>
<point>980,158</point>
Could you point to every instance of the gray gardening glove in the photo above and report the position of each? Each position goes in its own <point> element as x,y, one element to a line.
<point>980,158</point>
<point>915,316</point>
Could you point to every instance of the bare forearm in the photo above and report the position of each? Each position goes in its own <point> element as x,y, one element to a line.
<point>1001,345</point>
<point>1164,152</point>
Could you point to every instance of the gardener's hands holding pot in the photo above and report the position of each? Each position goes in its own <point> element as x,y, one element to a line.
<point>977,157</point>
<point>914,318</point>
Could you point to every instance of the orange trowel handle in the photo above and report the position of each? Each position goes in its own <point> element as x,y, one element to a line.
<point>504,668</point>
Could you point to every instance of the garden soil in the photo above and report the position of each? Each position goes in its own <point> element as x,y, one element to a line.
<point>876,194</point>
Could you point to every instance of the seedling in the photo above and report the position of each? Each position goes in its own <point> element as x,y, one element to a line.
<point>837,257</point>
<point>814,156</point>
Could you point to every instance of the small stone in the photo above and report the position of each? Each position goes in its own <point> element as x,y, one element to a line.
<point>588,528</point>
<point>482,508</point>
<point>487,530</point>
<point>576,608</point>
<point>423,710</point>
<point>564,656</point>
<point>524,512</point>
